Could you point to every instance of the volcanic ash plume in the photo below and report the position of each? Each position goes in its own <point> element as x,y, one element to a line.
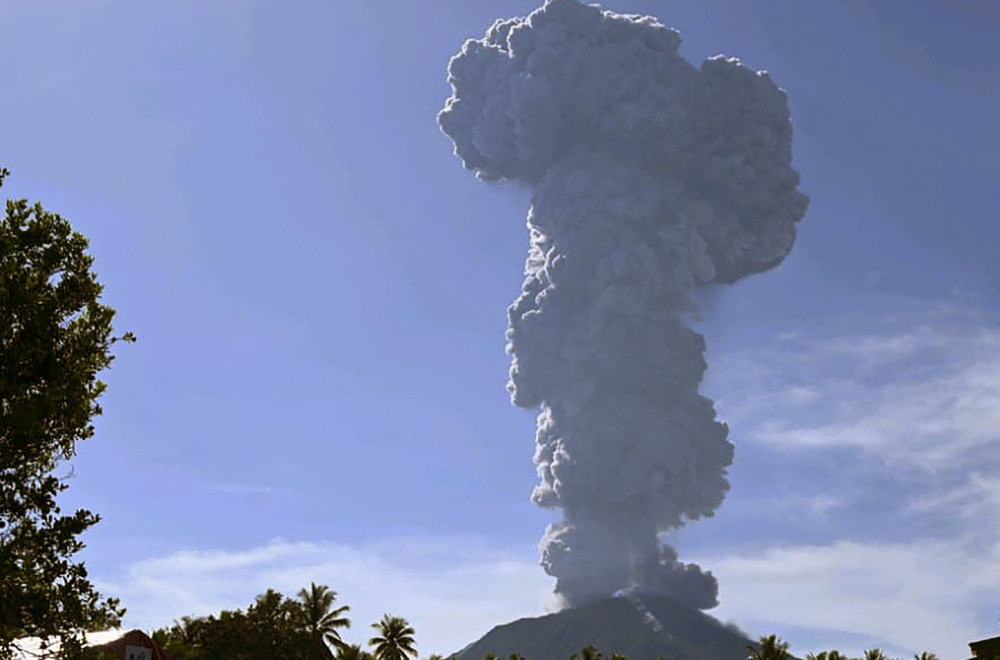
<point>650,178</point>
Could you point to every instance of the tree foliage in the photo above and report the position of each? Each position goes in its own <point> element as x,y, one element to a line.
<point>321,622</point>
<point>589,652</point>
<point>55,338</point>
<point>274,626</point>
<point>770,647</point>
<point>355,652</point>
<point>395,639</point>
<point>827,655</point>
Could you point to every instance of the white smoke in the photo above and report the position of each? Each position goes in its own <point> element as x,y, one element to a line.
<point>650,178</point>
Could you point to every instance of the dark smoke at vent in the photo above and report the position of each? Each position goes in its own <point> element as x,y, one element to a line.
<point>650,178</point>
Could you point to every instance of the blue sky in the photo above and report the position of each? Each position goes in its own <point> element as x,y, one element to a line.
<point>319,291</point>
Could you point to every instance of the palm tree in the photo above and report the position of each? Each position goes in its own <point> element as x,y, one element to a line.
<point>827,655</point>
<point>321,623</point>
<point>924,655</point>
<point>770,648</point>
<point>591,652</point>
<point>875,654</point>
<point>395,639</point>
<point>353,652</point>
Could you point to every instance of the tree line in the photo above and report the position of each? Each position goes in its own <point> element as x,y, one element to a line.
<point>772,647</point>
<point>308,628</point>
<point>277,627</point>
<point>769,647</point>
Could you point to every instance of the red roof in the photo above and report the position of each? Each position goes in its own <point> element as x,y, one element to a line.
<point>134,638</point>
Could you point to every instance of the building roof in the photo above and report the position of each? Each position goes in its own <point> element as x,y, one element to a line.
<point>115,641</point>
<point>125,647</point>
<point>985,643</point>
<point>985,649</point>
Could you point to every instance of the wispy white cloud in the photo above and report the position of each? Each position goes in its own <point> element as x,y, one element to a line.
<point>451,591</point>
<point>908,597</point>
<point>920,393</point>
<point>802,508</point>
<point>895,424</point>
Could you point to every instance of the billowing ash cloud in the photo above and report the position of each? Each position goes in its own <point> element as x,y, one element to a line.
<point>650,178</point>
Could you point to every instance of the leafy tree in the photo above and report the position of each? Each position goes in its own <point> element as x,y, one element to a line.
<point>355,652</point>
<point>228,635</point>
<point>55,338</point>
<point>395,639</point>
<point>270,628</point>
<point>181,640</point>
<point>827,655</point>
<point>321,623</point>
<point>589,652</point>
<point>769,648</point>
<point>274,628</point>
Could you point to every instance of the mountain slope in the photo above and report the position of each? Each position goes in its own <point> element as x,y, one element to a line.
<point>641,626</point>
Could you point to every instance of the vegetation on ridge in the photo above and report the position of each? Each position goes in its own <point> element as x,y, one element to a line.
<point>278,627</point>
